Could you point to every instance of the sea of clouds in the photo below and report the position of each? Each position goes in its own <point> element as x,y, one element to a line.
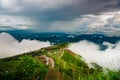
<point>9,46</point>
<point>91,53</point>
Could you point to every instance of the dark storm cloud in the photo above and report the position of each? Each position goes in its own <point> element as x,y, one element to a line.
<point>56,15</point>
<point>76,8</point>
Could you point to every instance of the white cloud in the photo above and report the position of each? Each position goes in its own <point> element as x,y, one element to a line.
<point>108,23</point>
<point>9,46</point>
<point>8,3</point>
<point>91,53</point>
<point>15,22</point>
<point>88,22</point>
<point>11,5</point>
<point>23,27</point>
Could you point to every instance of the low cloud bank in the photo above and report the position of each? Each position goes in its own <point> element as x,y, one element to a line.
<point>91,53</point>
<point>9,46</point>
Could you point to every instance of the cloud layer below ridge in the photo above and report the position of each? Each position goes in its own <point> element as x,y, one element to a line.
<point>9,46</point>
<point>91,53</point>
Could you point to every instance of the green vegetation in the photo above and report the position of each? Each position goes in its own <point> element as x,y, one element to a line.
<point>26,68</point>
<point>52,63</point>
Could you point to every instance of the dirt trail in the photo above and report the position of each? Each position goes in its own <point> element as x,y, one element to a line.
<point>62,53</point>
<point>50,62</point>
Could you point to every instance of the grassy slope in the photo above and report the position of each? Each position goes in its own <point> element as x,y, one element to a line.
<point>68,66</point>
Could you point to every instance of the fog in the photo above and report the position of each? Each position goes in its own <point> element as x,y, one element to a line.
<point>9,46</point>
<point>91,53</point>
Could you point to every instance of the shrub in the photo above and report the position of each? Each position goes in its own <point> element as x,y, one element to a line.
<point>30,69</point>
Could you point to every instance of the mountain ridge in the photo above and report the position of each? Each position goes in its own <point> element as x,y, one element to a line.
<point>52,63</point>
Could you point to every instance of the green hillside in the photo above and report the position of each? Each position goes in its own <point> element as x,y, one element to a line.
<point>52,63</point>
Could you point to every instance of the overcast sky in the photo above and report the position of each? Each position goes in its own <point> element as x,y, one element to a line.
<point>61,15</point>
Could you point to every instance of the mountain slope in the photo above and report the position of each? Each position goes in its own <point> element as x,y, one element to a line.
<point>52,63</point>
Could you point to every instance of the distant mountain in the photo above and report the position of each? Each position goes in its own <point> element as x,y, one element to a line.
<point>61,37</point>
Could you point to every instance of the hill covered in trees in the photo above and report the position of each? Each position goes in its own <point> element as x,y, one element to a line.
<point>52,63</point>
